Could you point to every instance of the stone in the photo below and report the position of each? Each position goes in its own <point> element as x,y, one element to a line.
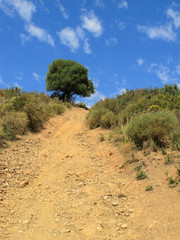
<point>23,184</point>
<point>115,204</point>
<point>122,210</point>
<point>66,230</point>
<point>123,226</point>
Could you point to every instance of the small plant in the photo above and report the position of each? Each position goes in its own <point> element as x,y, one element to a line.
<point>138,168</point>
<point>168,160</point>
<point>141,175</point>
<point>178,171</point>
<point>166,173</point>
<point>172,182</point>
<point>163,151</point>
<point>147,153</point>
<point>149,188</point>
<point>102,138</point>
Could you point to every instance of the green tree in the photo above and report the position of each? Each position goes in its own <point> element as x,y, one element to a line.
<point>68,78</point>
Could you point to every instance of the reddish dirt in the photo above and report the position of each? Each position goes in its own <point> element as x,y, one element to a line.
<point>63,183</point>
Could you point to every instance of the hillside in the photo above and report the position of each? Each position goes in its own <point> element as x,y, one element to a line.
<point>66,182</point>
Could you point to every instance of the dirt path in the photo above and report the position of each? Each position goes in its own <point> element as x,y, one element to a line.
<point>63,183</point>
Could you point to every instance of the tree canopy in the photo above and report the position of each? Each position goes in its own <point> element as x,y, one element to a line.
<point>67,78</point>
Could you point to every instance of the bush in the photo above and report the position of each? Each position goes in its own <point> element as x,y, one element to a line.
<point>82,105</point>
<point>58,108</point>
<point>37,115</point>
<point>157,126</point>
<point>67,105</point>
<point>14,123</point>
<point>94,117</point>
<point>108,120</point>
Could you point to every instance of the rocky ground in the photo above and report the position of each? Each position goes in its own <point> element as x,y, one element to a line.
<point>64,183</point>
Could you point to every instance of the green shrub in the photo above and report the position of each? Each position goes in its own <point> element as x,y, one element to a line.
<point>14,123</point>
<point>141,175</point>
<point>58,108</point>
<point>94,117</point>
<point>108,120</point>
<point>37,115</point>
<point>67,105</point>
<point>157,126</point>
<point>82,105</point>
<point>149,188</point>
<point>2,135</point>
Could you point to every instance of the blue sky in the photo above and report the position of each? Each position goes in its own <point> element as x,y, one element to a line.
<point>124,43</point>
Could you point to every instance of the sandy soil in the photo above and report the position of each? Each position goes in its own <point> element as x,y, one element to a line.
<point>63,183</point>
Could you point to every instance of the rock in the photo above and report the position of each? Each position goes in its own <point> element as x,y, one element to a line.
<point>23,184</point>
<point>66,230</point>
<point>123,226</point>
<point>126,214</point>
<point>110,153</point>
<point>27,172</point>
<point>115,204</point>
<point>122,210</point>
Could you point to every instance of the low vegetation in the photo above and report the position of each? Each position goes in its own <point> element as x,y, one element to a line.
<point>22,111</point>
<point>147,118</point>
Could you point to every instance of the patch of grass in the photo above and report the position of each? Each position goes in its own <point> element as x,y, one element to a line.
<point>102,138</point>
<point>147,153</point>
<point>82,105</point>
<point>172,182</point>
<point>168,159</point>
<point>138,168</point>
<point>141,175</point>
<point>149,188</point>
<point>178,171</point>
<point>163,151</point>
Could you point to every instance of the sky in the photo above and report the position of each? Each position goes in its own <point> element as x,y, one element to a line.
<point>125,44</point>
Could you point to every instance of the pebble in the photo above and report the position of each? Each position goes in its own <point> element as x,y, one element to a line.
<point>122,210</point>
<point>123,226</point>
<point>115,204</point>
<point>23,184</point>
<point>67,230</point>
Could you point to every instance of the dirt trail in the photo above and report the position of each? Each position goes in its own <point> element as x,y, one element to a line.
<point>63,183</point>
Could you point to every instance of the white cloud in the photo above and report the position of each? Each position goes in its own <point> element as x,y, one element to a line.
<point>24,8</point>
<point>24,38</point>
<point>80,33</point>
<point>91,23</point>
<point>96,97</point>
<point>18,75</point>
<point>87,48</point>
<point>3,83</point>
<point>123,4</point>
<point>99,3</point>
<point>163,32</point>
<point>175,15</point>
<point>69,38</point>
<point>41,34</point>
<point>178,69</point>
<point>111,41</point>
<point>140,61</point>
<point>73,37</point>
<point>17,85</point>
<point>121,25</point>
<point>37,77</point>
<point>63,10</point>
<point>161,71</point>
<point>122,90</point>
